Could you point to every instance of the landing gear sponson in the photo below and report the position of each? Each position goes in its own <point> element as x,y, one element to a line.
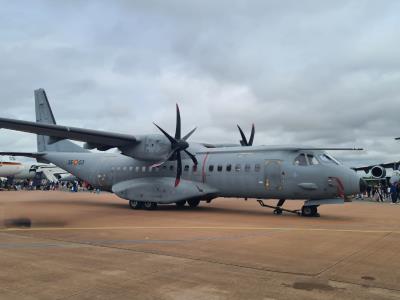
<point>153,205</point>
<point>306,211</point>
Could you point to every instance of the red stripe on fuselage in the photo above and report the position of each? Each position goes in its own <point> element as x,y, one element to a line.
<point>203,169</point>
<point>340,186</point>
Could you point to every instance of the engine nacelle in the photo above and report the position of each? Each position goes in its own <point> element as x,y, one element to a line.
<point>378,172</point>
<point>150,148</point>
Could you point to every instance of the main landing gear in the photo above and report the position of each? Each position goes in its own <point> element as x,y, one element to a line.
<point>138,205</point>
<point>153,205</point>
<point>306,211</point>
<point>135,204</point>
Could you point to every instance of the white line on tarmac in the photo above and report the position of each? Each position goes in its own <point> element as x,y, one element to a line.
<point>197,228</point>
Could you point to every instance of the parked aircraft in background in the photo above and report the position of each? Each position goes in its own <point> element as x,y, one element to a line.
<point>379,171</point>
<point>12,169</point>
<point>157,169</point>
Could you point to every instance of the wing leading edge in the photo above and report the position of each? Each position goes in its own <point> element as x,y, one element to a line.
<point>58,132</point>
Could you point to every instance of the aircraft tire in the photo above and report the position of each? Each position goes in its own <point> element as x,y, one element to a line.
<point>193,203</point>
<point>309,211</point>
<point>135,204</point>
<point>150,205</point>
<point>180,204</point>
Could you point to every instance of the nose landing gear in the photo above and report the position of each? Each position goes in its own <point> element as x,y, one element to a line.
<point>310,211</point>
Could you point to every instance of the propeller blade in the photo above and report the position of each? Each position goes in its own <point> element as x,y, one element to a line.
<point>171,139</point>
<point>194,159</point>
<point>178,168</point>
<point>253,131</point>
<point>189,134</point>
<point>243,142</point>
<point>169,156</point>
<point>178,124</point>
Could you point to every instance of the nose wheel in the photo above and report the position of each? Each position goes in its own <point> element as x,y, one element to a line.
<point>310,211</point>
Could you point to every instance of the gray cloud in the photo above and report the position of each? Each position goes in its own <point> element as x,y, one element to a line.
<point>305,72</point>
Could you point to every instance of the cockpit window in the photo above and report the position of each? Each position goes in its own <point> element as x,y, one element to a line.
<point>300,160</point>
<point>312,160</point>
<point>325,158</point>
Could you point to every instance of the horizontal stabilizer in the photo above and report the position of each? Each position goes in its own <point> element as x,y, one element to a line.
<point>58,132</point>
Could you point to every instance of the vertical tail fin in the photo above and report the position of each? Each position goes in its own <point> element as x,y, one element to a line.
<point>44,114</point>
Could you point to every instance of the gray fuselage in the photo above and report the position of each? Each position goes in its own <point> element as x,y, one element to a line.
<point>249,172</point>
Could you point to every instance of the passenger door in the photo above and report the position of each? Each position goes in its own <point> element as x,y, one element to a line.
<point>273,178</point>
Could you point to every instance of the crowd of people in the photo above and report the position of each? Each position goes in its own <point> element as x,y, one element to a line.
<point>45,185</point>
<point>383,192</point>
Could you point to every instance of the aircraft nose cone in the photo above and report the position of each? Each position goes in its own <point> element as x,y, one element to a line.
<point>363,186</point>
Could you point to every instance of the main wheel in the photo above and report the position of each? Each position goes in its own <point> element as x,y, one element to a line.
<point>180,204</point>
<point>150,205</point>
<point>135,204</point>
<point>194,203</point>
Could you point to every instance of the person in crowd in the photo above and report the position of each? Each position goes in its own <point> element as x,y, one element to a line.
<point>393,193</point>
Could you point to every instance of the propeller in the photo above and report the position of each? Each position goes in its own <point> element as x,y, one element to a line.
<point>178,144</point>
<point>244,141</point>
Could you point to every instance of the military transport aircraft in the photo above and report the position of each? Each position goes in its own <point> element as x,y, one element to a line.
<point>378,171</point>
<point>161,169</point>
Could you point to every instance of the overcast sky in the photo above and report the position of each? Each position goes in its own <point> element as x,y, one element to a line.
<point>320,73</point>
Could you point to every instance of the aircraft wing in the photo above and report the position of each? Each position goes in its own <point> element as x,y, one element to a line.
<point>58,132</point>
<point>23,154</point>
<point>391,165</point>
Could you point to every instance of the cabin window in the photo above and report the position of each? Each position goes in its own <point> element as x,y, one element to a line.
<point>211,168</point>
<point>312,160</point>
<point>194,168</point>
<point>144,169</point>
<point>247,168</point>
<point>229,168</point>
<point>238,167</point>
<point>186,168</point>
<point>300,160</point>
<point>131,169</point>
<point>171,167</point>
<point>112,168</point>
<point>257,168</point>
<point>157,169</point>
<point>119,169</point>
<point>164,167</point>
<point>219,168</point>
<point>125,168</point>
<point>137,169</point>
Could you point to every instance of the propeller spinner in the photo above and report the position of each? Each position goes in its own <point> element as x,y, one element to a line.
<point>244,141</point>
<point>178,145</point>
